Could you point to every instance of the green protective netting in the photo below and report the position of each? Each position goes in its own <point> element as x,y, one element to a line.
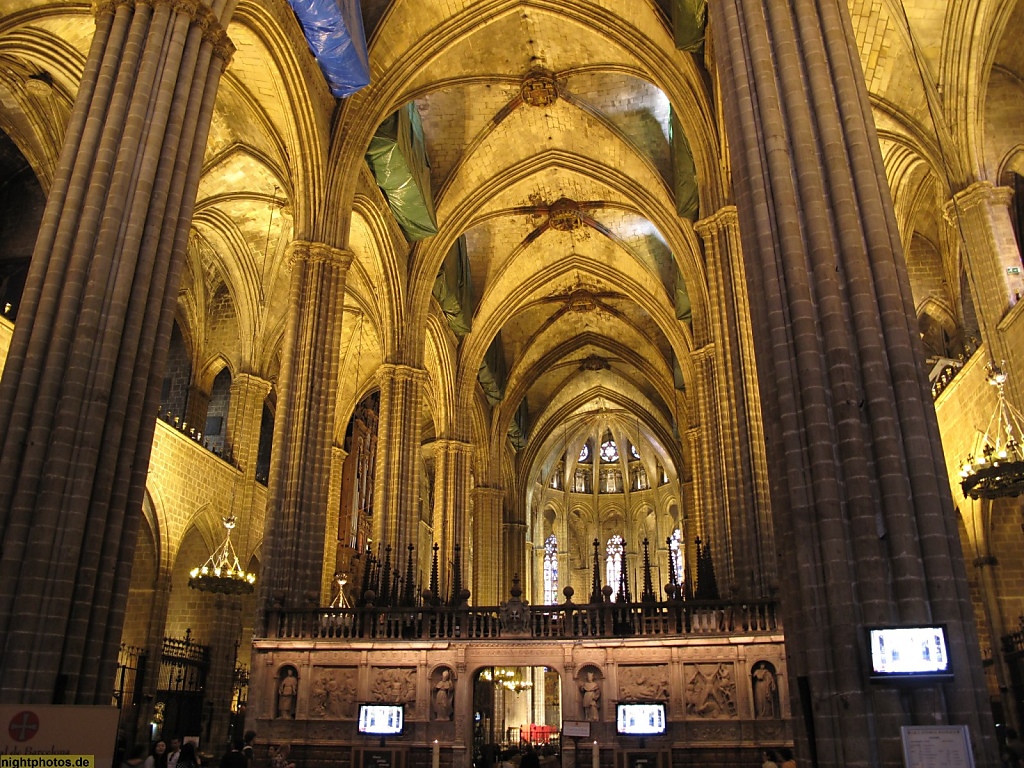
<point>492,372</point>
<point>677,375</point>
<point>518,427</point>
<point>684,311</point>
<point>398,159</point>
<point>689,19</point>
<point>684,172</point>
<point>453,289</point>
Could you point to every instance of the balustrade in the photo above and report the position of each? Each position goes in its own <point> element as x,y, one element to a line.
<point>542,622</point>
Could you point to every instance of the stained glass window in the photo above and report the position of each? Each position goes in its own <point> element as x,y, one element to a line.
<point>551,570</point>
<point>633,451</point>
<point>584,452</point>
<point>609,451</point>
<point>675,554</point>
<point>613,564</point>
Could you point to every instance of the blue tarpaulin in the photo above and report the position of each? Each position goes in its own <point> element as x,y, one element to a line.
<point>334,30</point>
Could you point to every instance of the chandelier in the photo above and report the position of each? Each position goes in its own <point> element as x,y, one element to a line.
<point>998,472</point>
<point>222,573</point>
<point>507,677</point>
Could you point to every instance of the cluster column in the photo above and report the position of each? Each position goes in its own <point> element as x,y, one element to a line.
<point>860,497</point>
<point>980,215</point>
<point>300,471</point>
<point>451,502</point>
<point>81,386</point>
<point>396,488</point>
<point>487,537</point>
<point>727,363</point>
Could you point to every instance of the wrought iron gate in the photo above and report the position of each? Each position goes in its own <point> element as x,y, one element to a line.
<point>180,687</point>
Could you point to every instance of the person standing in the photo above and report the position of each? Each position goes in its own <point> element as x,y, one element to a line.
<point>158,756</point>
<point>174,753</point>
<point>234,757</point>
<point>248,749</point>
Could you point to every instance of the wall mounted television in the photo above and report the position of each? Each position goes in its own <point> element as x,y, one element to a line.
<point>901,654</point>
<point>640,719</point>
<point>381,719</point>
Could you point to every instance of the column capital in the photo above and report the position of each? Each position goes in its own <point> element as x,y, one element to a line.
<point>253,381</point>
<point>979,193</point>
<point>724,218</point>
<point>489,492</point>
<point>313,253</point>
<point>399,372</point>
<point>454,445</point>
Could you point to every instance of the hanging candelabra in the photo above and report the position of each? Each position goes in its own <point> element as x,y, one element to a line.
<point>222,573</point>
<point>996,468</point>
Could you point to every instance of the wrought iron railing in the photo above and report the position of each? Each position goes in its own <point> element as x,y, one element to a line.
<point>542,622</point>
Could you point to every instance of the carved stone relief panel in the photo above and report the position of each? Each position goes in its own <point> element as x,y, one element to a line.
<point>710,690</point>
<point>394,686</point>
<point>643,683</point>
<point>333,693</point>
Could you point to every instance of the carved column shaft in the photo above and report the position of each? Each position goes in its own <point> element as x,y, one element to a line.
<point>245,417</point>
<point>745,477</point>
<point>82,381</point>
<point>981,222</point>
<point>487,535</point>
<point>300,473</point>
<point>397,480</point>
<point>338,550</point>
<point>860,498</point>
<point>451,501</point>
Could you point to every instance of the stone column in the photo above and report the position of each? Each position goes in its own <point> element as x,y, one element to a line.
<point>487,531</point>
<point>300,472</point>
<point>860,497</point>
<point>514,558</point>
<point>245,416</point>
<point>451,502</point>
<point>980,215</point>
<point>740,420</point>
<point>396,487</point>
<point>334,541</point>
<point>81,386</point>
<point>224,639</point>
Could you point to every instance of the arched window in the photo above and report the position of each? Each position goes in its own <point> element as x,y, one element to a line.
<point>551,570</point>
<point>675,554</point>
<point>633,451</point>
<point>613,564</point>
<point>584,453</point>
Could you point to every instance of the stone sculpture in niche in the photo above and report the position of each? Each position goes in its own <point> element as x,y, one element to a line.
<point>287,692</point>
<point>711,694</point>
<point>394,686</point>
<point>444,696</point>
<point>591,701</point>
<point>643,683</point>
<point>766,691</point>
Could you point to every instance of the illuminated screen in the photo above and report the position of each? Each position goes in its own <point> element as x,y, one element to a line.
<point>640,719</point>
<point>908,652</point>
<point>381,719</point>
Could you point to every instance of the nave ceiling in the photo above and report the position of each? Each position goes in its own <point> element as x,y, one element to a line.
<point>579,259</point>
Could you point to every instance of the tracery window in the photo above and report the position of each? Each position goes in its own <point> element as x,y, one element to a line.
<point>613,563</point>
<point>609,451</point>
<point>584,453</point>
<point>551,570</point>
<point>675,554</point>
<point>633,451</point>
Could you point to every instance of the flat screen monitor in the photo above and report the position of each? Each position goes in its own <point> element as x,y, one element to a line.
<point>381,719</point>
<point>640,719</point>
<point>909,653</point>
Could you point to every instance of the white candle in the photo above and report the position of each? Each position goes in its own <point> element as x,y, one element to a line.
<point>595,755</point>
<point>435,757</point>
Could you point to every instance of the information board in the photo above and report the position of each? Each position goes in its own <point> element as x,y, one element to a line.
<point>936,746</point>
<point>579,729</point>
<point>27,729</point>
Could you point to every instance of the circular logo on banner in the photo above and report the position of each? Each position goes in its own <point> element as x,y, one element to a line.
<point>24,726</point>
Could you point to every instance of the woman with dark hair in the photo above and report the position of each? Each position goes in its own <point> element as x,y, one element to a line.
<point>188,757</point>
<point>157,756</point>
